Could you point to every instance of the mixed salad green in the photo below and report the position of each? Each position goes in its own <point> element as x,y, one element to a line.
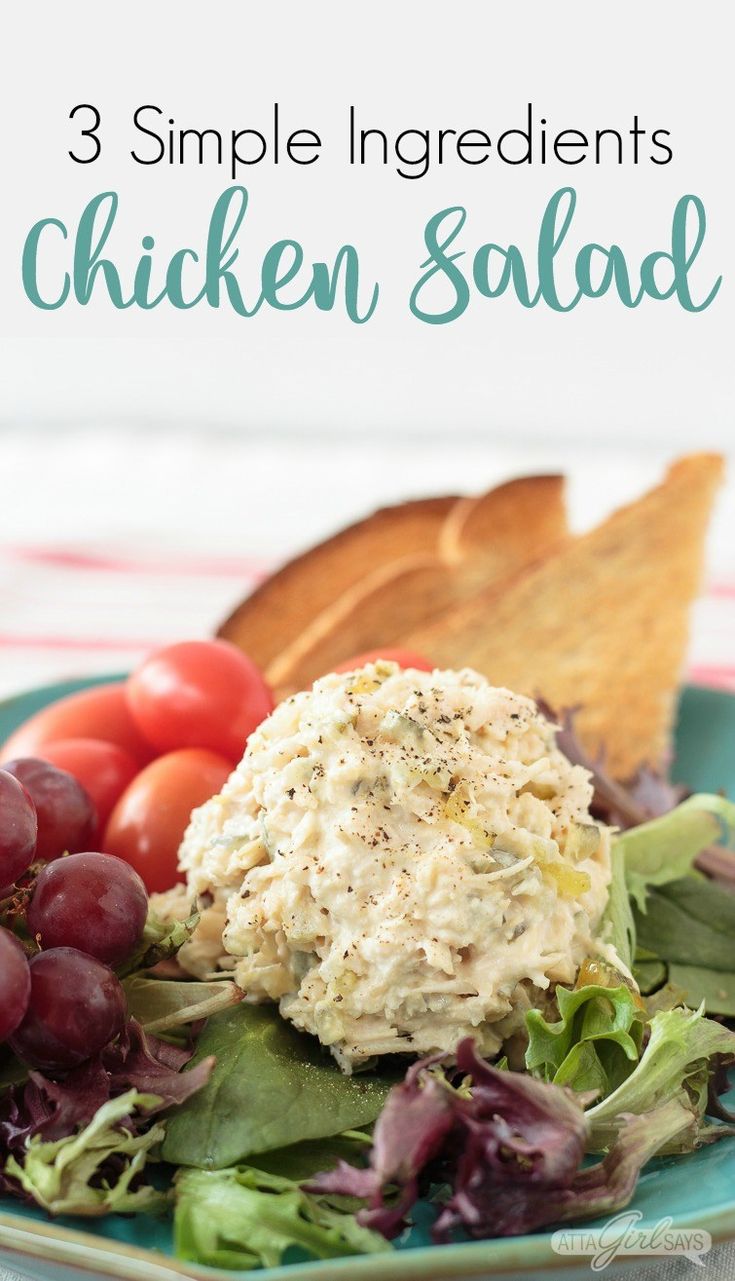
<point>223,1115</point>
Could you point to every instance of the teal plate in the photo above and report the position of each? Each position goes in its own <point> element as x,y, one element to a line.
<point>696,1191</point>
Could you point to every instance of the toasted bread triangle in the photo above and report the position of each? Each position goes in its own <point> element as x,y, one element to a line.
<point>279,610</point>
<point>602,624</point>
<point>498,534</point>
<point>362,618</point>
<point>520,519</point>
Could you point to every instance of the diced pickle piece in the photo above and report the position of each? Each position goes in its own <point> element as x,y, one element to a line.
<point>583,841</point>
<point>456,810</point>
<point>422,772</point>
<point>542,791</point>
<point>402,729</point>
<point>569,882</point>
<point>602,974</point>
<point>363,684</point>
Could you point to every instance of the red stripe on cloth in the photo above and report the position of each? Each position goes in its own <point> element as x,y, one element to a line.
<point>9,641</point>
<point>723,590</point>
<point>234,567</point>
<point>715,674</point>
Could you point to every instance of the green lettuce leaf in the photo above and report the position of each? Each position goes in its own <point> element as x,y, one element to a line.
<point>617,925</point>
<point>12,1071</point>
<point>247,1218</point>
<point>676,1057</point>
<point>665,848</point>
<point>162,1004</point>
<point>689,926</point>
<point>300,1160</point>
<point>595,1043</point>
<point>161,940</point>
<point>76,1175</point>
<point>271,1086</point>
<point>649,972</point>
<point>692,922</point>
<point>715,988</point>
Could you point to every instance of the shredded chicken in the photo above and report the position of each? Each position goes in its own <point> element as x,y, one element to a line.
<point>403,856</point>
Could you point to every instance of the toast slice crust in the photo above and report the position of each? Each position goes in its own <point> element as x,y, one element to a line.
<point>602,624</point>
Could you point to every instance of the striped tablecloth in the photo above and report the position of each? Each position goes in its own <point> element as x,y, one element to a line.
<point>69,610</point>
<point>112,543</point>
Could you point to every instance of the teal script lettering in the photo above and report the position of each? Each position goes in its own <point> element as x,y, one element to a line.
<point>286,282</point>
<point>445,289</point>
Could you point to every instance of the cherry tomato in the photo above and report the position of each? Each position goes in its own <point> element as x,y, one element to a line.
<point>103,770</point>
<point>148,822</point>
<point>101,712</point>
<point>403,657</point>
<point>199,694</point>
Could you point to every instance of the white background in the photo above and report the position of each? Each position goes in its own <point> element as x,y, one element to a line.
<point>601,371</point>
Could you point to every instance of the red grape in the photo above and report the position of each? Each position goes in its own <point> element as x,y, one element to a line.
<point>77,1005</point>
<point>15,983</point>
<point>18,830</point>
<point>94,902</point>
<point>66,816</point>
<point>103,769</point>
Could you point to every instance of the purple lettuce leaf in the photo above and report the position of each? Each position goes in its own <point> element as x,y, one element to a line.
<point>510,1130</point>
<point>647,795</point>
<point>416,1119</point>
<point>653,794</point>
<point>508,1147</point>
<point>55,1109</point>
<point>141,1061</point>
<point>51,1108</point>
<point>484,1207</point>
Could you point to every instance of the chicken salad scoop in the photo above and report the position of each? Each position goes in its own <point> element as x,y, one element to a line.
<point>401,859</point>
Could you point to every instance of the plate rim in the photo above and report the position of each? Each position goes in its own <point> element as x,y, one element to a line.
<point>425,1263</point>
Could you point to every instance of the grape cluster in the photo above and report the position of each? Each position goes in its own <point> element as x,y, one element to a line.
<point>60,1000</point>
